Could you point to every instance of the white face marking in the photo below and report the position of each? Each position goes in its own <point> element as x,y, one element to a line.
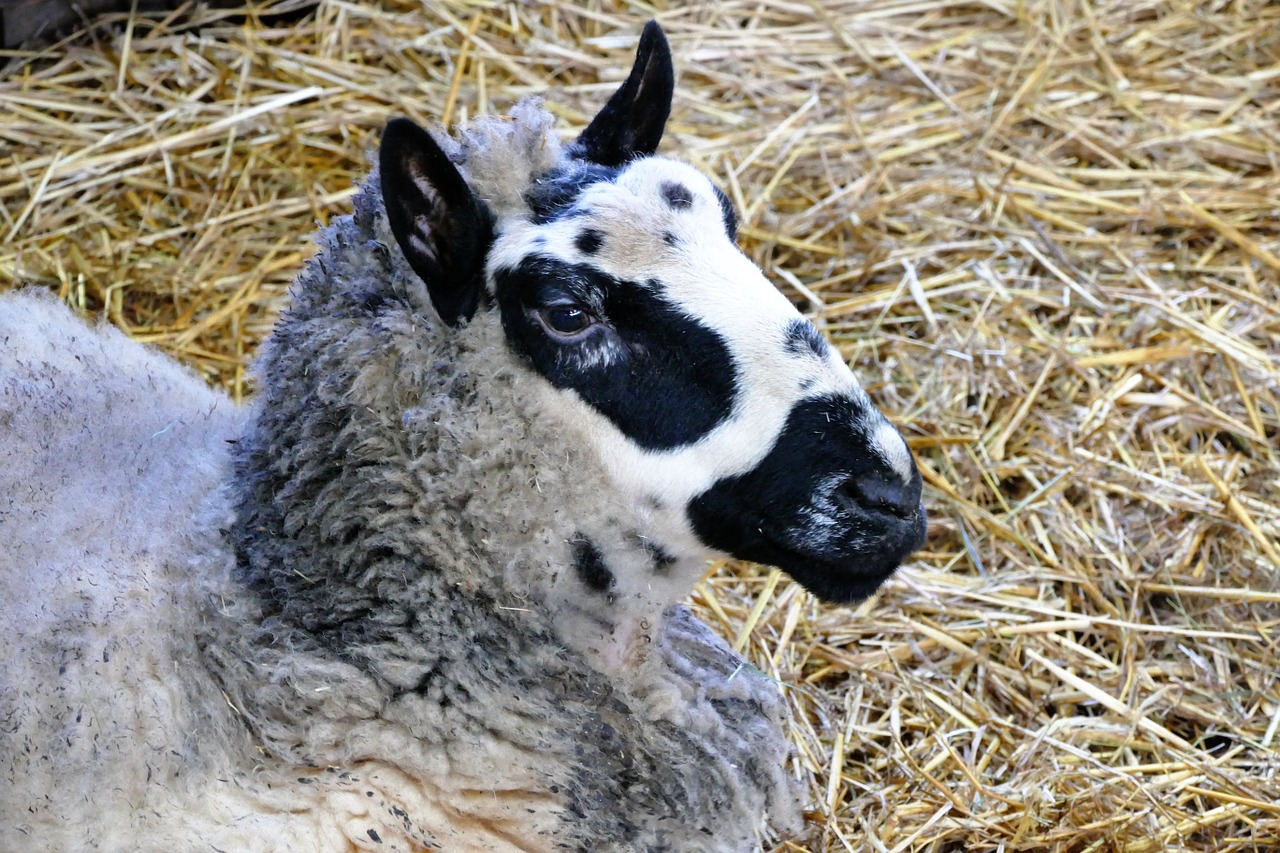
<point>820,517</point>
<point>685,248</point>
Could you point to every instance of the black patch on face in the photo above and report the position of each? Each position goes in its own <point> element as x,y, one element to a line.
<point>727,214</point>
<point>553,195</point>
<point>822,463</point>
<point>676,195</point>
<point>662,378</point>
<point>590,567</point>
<point>803,338</point>
<point>589,241</point>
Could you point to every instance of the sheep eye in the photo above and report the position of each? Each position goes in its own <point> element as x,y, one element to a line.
<point>565,320</point>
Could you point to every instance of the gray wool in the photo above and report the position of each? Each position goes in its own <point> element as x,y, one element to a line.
<point>503,156</point>
<point>375,616</point>
<point>107,451</point>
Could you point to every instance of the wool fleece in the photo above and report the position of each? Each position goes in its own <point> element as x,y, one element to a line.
<point>353,617</point>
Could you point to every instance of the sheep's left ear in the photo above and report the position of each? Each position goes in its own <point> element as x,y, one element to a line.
<point>631,123</point>
<point>443,228</point>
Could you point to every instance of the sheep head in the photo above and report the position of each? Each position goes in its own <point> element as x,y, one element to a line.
<point>719,414</point>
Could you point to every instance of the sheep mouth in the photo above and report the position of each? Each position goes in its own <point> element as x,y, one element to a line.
<point>838,572</point>
<point>841,558</point>
<point>835,503</point>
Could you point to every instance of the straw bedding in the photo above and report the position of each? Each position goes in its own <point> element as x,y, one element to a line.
<point>1046,234</point>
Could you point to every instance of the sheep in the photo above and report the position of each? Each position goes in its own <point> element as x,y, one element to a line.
<point>426,593</point>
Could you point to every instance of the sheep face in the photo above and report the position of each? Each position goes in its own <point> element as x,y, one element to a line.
<point>714,407</point>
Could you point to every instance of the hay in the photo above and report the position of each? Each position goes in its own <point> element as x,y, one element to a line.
<point>1047,234</point>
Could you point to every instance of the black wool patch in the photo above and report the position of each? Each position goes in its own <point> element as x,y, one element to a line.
<point>554,195</point>
<point>676,195</point>
<point>663,379</point>
<point>802,338</point>
<point>589,241</point>
<point>659,556</point>
<point>662,561</point>
<point>589,565</point>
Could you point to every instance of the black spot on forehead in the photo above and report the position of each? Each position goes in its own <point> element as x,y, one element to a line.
<point>802,338</point>
<point>554,194</point>
<point>589,241</point>
<point>677,195</point>
<point>727,214</point>
<point>661,377</point>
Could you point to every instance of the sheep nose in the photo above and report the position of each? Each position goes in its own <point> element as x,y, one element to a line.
<point>872,492</point>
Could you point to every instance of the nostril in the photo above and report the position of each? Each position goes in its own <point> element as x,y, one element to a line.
<point>874,493</point>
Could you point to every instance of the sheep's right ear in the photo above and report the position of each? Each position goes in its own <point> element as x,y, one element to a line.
<point>443,228</point>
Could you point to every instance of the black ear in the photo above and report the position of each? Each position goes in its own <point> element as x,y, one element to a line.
<point>444,230</point>
<point>631,124</point>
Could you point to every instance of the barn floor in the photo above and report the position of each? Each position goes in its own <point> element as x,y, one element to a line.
<point>1046,234</point>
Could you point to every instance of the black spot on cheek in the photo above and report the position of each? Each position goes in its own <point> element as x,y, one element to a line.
<point>588,562</point>
<point>677,195</point>
<point>802,338</point>
<point>589,241</point>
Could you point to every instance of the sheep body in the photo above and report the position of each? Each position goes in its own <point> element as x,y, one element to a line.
<point>473,706</point>
<point>490,669</point>
<point>109,450</point>
<point>424,595</point>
